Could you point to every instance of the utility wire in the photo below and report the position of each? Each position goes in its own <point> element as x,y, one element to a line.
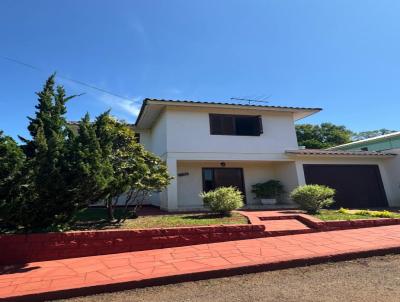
<point>69,79</point>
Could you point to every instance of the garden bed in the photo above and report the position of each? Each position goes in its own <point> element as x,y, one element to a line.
<point>344,214</point>
<point>96,218</point>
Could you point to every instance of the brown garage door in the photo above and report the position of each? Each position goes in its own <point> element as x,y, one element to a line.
<point>357,186</point>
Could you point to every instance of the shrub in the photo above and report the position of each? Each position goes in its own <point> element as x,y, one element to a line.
<point>343,211</point>
<point>223,200</point>
<point>379,214</point>
<point>270,189</point>
<point>312,198</point>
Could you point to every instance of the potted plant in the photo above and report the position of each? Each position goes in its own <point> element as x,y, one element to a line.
<point>268,191</point>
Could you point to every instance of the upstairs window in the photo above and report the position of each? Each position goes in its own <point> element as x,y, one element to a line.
<point>246,125</point>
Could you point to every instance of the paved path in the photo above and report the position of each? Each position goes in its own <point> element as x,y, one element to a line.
<point>281,224</point>
<point>69,277</point>
<point>359,280</point>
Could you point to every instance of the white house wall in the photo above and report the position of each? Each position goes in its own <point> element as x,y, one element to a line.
<point>189,132</point>
<point>392,166</point>
<point>158,139</point>
<point>190,185</point>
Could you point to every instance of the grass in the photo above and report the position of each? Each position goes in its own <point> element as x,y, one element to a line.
<point>345,214</point>
<point>95,218</point>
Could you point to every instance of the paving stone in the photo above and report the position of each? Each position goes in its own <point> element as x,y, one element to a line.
<point>100,272</point>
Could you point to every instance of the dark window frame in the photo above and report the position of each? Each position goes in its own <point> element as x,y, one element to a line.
<point>243,188</point>
<point>137,137</point>
<point>234,129</point>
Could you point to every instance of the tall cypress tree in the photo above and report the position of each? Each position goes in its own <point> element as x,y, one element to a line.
<point>87,163</point>
<point>47,152</point>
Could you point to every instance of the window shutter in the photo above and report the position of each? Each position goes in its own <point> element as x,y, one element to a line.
<point>260,125</point>
<point>215,124</point>
<point>228,125</point>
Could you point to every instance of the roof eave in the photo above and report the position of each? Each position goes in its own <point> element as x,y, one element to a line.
<point>298,113</point>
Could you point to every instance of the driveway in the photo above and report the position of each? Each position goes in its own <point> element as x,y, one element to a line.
<point>368,279</point>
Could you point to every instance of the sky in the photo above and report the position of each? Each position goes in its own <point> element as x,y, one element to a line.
<point>340,55</point>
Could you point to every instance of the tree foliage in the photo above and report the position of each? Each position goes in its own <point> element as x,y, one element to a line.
<point>136,171</point>
<point>57,172</point>
<point>322,136</point>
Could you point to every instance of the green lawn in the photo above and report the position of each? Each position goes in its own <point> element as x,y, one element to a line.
<point>95,218</point>
<point>345,214</point>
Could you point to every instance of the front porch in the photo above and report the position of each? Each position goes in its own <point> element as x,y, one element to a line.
<point>191,177</point>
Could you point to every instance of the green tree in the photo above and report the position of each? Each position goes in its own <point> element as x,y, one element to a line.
<point>57,171</point>
<point>136,172</point>
<point>46,152</point>
<point>88,173</point>
<point>322,136</point>
<point>52,185</point>
<point>12,177</point>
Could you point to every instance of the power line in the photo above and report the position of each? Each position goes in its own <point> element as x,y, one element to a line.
<point>69,79</point>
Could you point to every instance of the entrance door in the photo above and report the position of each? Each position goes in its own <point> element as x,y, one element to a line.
<point>223,177</point>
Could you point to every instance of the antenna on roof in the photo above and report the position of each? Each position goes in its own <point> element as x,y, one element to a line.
<point>263,100</point>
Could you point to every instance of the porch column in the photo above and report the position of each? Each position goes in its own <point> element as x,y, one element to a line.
<point>300,174</point>
<point>172,189</point>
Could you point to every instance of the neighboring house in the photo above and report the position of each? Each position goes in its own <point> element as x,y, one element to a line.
<point>379,143</point>
<point>207,145</point>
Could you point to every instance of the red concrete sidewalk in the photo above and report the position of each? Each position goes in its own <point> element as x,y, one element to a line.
<point>88,275</point>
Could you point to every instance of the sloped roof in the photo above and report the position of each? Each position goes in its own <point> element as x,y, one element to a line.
<point>367,140</point>
<point>299,112</point>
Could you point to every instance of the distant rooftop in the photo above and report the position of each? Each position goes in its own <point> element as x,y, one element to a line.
<point>367,140</point>
<point>339,153</point>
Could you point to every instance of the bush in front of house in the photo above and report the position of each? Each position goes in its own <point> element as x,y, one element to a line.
<point>223,200</point>
<point>269,189</point>
<point>312,198</point>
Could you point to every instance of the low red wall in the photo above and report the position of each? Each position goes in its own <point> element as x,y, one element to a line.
<point>50,246</point>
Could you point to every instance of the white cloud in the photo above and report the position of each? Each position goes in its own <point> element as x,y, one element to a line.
<point>132,107</point>
<point>126,108</point>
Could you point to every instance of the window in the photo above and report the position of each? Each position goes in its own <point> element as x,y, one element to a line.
<point>222,177</point>
<point>224,124</point>
<point>137,137</point>
<point>364,148</point>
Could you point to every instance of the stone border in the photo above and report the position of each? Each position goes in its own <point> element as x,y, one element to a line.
<point>18,248</point>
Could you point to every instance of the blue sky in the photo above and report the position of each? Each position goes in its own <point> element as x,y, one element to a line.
<point>341,55</point>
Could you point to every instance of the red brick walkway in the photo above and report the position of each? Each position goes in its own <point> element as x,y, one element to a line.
<point>77,276</point>
<point>281,224</point>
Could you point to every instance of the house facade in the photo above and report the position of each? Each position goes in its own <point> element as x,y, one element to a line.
<point>207,145</point>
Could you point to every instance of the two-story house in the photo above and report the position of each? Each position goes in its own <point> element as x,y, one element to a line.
<point>207,145</point>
